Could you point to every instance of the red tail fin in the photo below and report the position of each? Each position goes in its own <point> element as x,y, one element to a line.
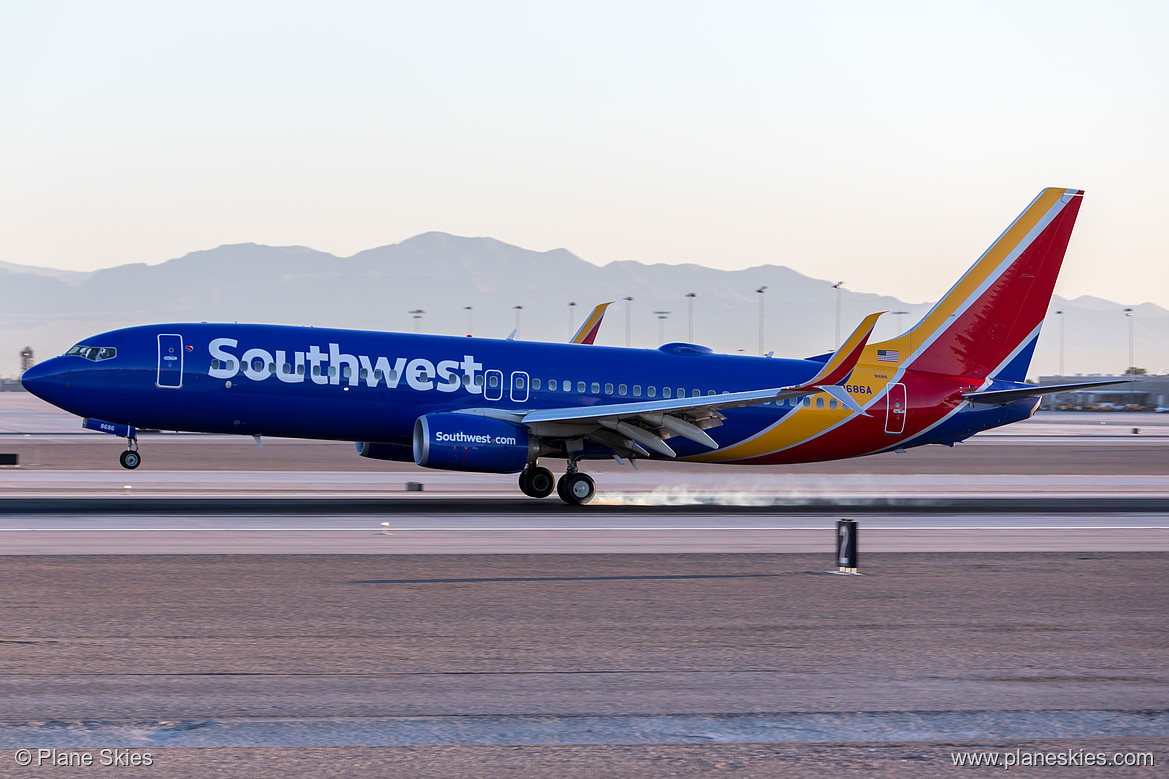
<point>991,318</point>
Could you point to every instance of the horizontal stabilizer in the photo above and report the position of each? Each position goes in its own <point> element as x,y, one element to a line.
<point>1034,391</point>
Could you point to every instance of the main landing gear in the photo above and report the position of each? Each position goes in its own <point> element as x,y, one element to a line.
<point>574,488</point>
<point>537,482</point>
<point>130,458</point>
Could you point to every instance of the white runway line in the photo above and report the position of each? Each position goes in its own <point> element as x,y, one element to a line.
<point>550,529</point>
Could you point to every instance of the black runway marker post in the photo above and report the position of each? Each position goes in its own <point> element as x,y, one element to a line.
<point>846,548</point>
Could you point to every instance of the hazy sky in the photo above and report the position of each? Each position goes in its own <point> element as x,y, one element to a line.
<point>885,144</point>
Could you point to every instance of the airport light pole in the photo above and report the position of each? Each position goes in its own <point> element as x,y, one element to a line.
<point>762,294</point>
<point>837,287</point>
<point>661,315</point>
<point>1132,360</point>
<point>417,314</point>
<point>897,314</point>
<point>571,317</point>
<point>518,309</point>
<point>1060,315</point>
<point>469,328</point>
<point>628,325</point>
<point>690,330</point>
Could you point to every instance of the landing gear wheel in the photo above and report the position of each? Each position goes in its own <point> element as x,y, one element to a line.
<point>130,459</point>
<point>576,488</point>
<point>537,482</point>
<point>541,482</point>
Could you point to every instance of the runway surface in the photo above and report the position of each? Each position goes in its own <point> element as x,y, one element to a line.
<point>297,609</point>
<point>942,651</point>
<point>161,526</point>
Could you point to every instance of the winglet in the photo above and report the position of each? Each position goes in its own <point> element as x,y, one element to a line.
<point>839,367</point>
<point>591,326</point>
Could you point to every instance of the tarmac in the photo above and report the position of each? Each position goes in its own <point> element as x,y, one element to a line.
<point>236,610</point>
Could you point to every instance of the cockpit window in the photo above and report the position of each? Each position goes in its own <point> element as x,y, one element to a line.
<point>93,353</point>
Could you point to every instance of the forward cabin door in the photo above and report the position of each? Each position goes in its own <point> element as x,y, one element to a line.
<point>895,409</point>
<point>170,361</point>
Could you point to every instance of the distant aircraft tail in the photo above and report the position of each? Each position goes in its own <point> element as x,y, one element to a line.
<point>987,324</point>
<point>588,331</point>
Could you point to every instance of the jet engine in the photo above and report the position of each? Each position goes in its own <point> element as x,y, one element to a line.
<point>467,442</point>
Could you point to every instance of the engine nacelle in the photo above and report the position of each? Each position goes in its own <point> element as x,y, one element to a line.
<point>402,453</point>
<point>467,442</point>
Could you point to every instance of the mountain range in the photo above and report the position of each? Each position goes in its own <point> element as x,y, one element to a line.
<point>441,275</point>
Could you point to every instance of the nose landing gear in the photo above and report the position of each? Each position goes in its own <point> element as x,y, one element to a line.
<point>130,458</point>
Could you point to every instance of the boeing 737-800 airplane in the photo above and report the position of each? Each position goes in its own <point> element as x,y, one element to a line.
<point>498,406</point>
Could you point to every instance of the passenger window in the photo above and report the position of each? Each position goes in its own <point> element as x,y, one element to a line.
<point>347,371</point>
<point>710,392</point>
<point>257,365</point>
<point>567,385</point>
<point>552,384</point>
<point>519,382</point>
<point>637,390</point>
<point>608,389</point>
<point>819,402</point>
<point>535,384</point>
<point>363,375</point>
<point>332,371</point>
<point>832,403</point>
<point>596,387</point>
<point>316,370</point>
<point>807,402</point>
<point>696,394</point>
<point>300,369</point>
<point>478,379</point>
<point>466,378</point>
<point>651,391</point>
<point>622,389</point>
<point>494,380</point>
<point>393,376</point>
<point>666,392</point>
<point>377,375</point>
<point>215,365</point>
<point>580,386</point>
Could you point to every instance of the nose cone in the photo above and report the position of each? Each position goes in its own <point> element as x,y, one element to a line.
<point>45,379</point>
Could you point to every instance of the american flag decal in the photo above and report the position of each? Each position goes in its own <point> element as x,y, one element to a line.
<point>887,355</point>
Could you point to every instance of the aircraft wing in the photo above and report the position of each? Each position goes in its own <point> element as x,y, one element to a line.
<point>1033,391</point>
<point>642,425</point>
